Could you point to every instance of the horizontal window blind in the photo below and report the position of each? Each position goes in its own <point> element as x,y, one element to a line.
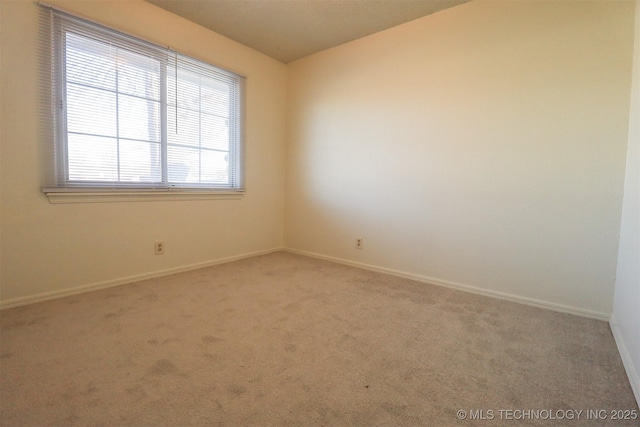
<point>131,114</point>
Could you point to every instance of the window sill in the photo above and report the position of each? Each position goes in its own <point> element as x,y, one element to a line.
<point>59,195</point>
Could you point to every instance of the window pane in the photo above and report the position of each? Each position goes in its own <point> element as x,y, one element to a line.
<point>140,161</point>
<point>183,113</point>
<point>215,132</point>
<point>215,167</point>
<point>187,91</point>
<point>92,158</point>
<point>139,118</point>
<point>215,97</point>
<point>183,164</point>
<point>187,129</point>
<point>91,111</point>
<point>90,62</point>
<point>138,75</point>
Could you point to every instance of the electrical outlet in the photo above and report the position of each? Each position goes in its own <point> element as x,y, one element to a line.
<point>159,248</point>
<point>359,242</point>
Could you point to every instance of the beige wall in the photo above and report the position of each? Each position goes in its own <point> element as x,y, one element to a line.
<point>48,248</point>
<point>483,146</point>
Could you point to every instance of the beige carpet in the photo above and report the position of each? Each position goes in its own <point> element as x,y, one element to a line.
<point>286,340</point>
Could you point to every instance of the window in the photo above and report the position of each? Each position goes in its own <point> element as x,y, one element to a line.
<point>132,115</point>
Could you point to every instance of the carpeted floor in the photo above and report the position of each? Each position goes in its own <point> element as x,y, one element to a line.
<point>283,339</point>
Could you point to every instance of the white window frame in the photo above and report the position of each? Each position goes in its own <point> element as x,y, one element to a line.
<point>62,189</point>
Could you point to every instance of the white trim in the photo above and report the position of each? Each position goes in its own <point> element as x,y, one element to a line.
<point>466,288</point>
<point>17,302</point>
<point>56,196</point>
<point>632,373</point>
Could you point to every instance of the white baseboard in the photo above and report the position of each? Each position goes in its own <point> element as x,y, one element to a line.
<point>472,289</point>
<point>17,302</point>
<point>632,373</point>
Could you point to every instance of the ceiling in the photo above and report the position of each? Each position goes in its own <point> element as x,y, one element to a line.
<point>291,29</point>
